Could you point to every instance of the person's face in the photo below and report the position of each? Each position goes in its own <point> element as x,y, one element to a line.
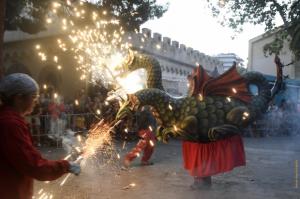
<point>27,103</point>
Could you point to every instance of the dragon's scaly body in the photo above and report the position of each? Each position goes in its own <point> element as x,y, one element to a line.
<point>196,118</point>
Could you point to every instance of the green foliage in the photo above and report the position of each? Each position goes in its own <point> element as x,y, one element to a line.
<point>236,13</point>
<point>30,15</point>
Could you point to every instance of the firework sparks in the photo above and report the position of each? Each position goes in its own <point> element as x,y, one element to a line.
<point>150,128</point>
<point>99,136</point>
<point>97,50</point>
<point>131,185</point>
<point>151,143</point>
<point>175,128</point>
<point>200,97</point>
<point>234,90</point>
<point>67,157</point>
<point>64,180</point>
<point>124,144</point>
<point>246,114</point>
<point>40,191</point>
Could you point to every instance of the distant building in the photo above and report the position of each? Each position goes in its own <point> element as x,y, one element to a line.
<point>257,61</point>
<point>228,59</point>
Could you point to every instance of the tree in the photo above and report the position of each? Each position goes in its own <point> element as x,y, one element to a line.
<point>30,15</point>
<point>2,14</point>
<point>236,13</point>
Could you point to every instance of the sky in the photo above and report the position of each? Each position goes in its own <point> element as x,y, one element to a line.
<point>191,23</point>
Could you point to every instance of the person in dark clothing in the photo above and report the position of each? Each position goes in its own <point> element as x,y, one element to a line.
<point>20,162</point>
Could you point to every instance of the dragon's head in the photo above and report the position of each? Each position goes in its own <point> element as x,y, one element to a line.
<point>123,68</point>
<point>128,108</point>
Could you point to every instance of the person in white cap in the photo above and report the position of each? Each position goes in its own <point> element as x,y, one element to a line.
<point>20,162</point>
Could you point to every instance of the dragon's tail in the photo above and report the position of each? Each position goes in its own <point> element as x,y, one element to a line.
<point>278,83</point>
<point>260,88</point>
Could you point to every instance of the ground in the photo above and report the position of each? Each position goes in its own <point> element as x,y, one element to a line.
<point>270,173</point>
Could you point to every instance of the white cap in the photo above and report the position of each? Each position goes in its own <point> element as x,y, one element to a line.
<point>18,83</point>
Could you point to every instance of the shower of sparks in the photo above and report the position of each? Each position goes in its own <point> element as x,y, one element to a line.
<point>98,54</point>
<point>99,137</point>
<point>99,140</point>
<point>98,49</point>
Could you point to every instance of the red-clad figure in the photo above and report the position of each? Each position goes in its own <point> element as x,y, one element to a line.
<point>20,162</point>
<point>146,143</point>
<point>203,160</point>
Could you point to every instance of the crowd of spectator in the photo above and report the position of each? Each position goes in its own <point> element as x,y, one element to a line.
<point>53,114</point>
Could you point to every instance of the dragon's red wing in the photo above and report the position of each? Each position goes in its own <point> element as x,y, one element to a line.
<point>197,80</point>
<point>230,83</point>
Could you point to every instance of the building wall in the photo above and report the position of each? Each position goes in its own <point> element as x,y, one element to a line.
<point>228,59</point>
<point>177,60</point>
<point>258,62</point>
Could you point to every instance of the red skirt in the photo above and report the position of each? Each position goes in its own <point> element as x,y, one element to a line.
<point>207,159</point>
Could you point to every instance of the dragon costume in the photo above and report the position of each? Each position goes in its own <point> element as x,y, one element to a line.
<point>216,108</point>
